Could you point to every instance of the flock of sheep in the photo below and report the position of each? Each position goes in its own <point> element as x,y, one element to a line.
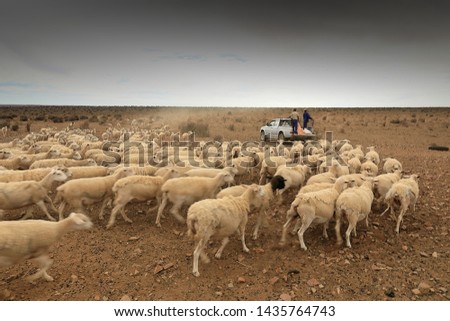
<point>335,181</point>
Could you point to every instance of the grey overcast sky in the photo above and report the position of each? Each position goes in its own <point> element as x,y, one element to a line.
<point>256,53</point>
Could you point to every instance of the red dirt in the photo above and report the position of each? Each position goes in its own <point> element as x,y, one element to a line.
<point>142,262</point>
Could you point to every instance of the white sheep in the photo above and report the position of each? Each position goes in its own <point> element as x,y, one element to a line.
<point>355,205</point>
<point>269,166</point>
<point>334,172</point>
<point>19,162</point>
<point>391,165</point>
<point>146,170</point>
<point>180,169</point>
<point>244,164</point>
<point>78,193</point>
<point>222,218</point>
<point>88,171</point>
<point>346,147</point>
<point>276,183</point>
<point>356,153</point>
<point>63,162</point>
<point>31,239</point>
<point>187,190</point>
<point>401,195</point>
<point>5,154</point>
<point>369,168</point>
<point>382,183</point>
<point>356,179</point>
<point>30,174</point>
<point>294,177</point>
<point>137,187</point>
<point>212,172</point>
<point>315,207</point>
<point>16,195</point>
<point>354,165</point>
<point>372,155</point>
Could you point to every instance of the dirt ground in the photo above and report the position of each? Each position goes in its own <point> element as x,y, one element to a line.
<point>139,261</point>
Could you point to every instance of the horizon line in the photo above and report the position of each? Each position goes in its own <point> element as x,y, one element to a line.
<point>192,106</point>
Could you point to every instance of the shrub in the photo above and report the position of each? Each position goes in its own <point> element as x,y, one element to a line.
<point>4,122</point>
<point>84,124</point>
<point>14,126</point>
<point>24,118</point>
<point>72,118</point>
<point>200,129</point>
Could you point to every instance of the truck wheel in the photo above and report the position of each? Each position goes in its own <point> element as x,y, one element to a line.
<point>281,136</point>
<point>262,136</point>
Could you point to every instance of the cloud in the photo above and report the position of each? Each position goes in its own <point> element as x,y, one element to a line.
<point>158,55</point>
<point>233,57</point>
<point>13,84</point>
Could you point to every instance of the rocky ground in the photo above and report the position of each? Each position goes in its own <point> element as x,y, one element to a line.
<point>142,262</point>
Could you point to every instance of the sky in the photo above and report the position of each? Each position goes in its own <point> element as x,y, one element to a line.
<point>246,53</point>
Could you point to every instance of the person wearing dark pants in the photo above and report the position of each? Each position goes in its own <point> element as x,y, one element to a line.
<point>306,118</point>
<point>295,117</point>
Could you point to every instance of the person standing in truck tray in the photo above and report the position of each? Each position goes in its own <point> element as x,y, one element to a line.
<point>306,118</point>
<point>295,117</point>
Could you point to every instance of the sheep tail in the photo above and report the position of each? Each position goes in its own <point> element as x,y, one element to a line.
<point>192,227</point>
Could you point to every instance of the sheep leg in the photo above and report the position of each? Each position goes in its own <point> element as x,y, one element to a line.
<point>112,218</point>
<point>280,196</point>
<point>324,233</point>
<point>125,216</point>
<point>296,227</point>
<point>352,221</point>
<point>49,201</point>
<point>337,228</point>
<point>61,210</point>
<point>28,214</point>
<point>387,209</point>
<point>306,222</point>
<point>285,227</point>
<point>160,210</point>
<point>261,215</point>
<point>175,211</point>
<point>262,178</point>
<point>204,257</point>
<point>392,213</point>
<point>158,203</point>
<point>399,220</point>
<point>41,205</point>
<point>105,202</point>
<point>44,263</point>
<point>197,252</point>
<point>224,242</point>
<point>242,230</point>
